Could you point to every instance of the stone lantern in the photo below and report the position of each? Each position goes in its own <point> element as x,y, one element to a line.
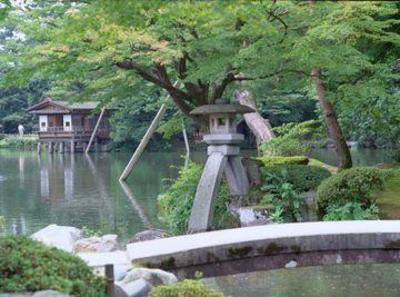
<point>223,157</point>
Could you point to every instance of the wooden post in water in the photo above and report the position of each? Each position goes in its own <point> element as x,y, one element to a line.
<point>145,140</point>
<point>185,138</point>
<point>109,274</point>
<point>95,130</point>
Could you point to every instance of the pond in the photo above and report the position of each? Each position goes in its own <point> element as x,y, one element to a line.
<point>80,190</point>
<point>361,280</point>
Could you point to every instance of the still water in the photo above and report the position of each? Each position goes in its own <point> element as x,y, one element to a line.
<point>368,280</point>
<point>79,190</point>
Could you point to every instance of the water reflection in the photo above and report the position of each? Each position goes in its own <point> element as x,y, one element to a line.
<point>367,280</point>
<point>81,190</point>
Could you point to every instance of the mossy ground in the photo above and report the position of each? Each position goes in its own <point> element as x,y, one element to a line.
<point>388,200</point>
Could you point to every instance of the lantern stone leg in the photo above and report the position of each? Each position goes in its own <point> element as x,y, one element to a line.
<point>223,156</point>
<point>207,190</point>
<point>236,177</point>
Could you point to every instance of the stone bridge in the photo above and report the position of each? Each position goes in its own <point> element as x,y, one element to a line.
<point>270,247</point>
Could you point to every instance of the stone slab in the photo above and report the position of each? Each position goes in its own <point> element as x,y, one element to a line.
<point>217,247</point>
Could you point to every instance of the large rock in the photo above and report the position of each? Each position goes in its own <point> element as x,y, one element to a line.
<point>95,244</point>
<point>62,237</point>
<point>137,288</point>
<point>150,234</point>
<point>139,281</point>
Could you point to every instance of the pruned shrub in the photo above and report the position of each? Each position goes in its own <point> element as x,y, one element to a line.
<point>28,266</point>
<point>350,185</point>
<point>303,178</point>
<point>186,288</point>
<point>279,160</point>
<point>351,211</point>
<point>176,203</point>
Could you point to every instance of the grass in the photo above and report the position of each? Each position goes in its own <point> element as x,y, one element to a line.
<point>26,142</point>
<point>388,200</point>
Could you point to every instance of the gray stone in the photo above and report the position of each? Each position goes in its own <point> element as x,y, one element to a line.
<point>139,281</point>
<point>252,217</point>
<point>272,246</point>
<point>153,276</point>
<point>207,190</point>
<point>105,243</point>
<point>291,264</point>
<point>62,237</point>
<point>150,234</point>
<point>138,288</point>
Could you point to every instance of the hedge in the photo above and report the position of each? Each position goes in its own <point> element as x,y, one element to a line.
<point>29,266</point>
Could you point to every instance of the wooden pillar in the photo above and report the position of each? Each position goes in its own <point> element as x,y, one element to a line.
<point>39,147</point>
<point>72,147</point>
<point>61,147</point>
<point>84,145</point>
<point>50,147</point>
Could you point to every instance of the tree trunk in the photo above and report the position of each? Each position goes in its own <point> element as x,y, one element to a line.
<point>334,130</point>
<point>260,127</point>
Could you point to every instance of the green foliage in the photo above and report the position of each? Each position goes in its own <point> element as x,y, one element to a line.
<point>27,142</point>
<point>350,185</point>
<point>2,224</point>
<point>176,203</point>
<point>303,178</point>
<point>88,232</point>
<point>27,265</point>
<point>278,160</point>
<point>186,288</point>
<point>351,211</point>
<point>287,202</point>
<point>292,139</point>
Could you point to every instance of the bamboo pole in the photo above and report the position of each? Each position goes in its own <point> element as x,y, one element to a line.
<point>145,140</point>
<point>95,130</point>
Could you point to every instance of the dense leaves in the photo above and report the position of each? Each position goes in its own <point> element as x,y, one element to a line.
<point>176,203</point>
<point>351,185</point>
<point>29,266</point>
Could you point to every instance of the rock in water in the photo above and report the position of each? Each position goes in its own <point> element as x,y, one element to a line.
<point>62,237</point>
<point>96,244</point>
<point>150,234</point>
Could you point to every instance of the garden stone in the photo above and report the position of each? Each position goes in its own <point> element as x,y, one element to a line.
<point>62,237</point>
<point>251,217</point>
<point>150,234</point>
<point>137,288</point>
<point>96,244</point>
<point>153,276</point>
<point>49,293</point>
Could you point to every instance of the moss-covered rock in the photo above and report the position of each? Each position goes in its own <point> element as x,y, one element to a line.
<point>186,288</point>
<point>279,160</point>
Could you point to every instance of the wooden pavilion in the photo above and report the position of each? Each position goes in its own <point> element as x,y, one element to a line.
<point>65,126</point>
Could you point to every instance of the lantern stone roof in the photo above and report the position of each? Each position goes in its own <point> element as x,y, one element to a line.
<point>221,106</point>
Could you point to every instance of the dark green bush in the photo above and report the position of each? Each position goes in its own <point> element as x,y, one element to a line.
<point>28,265</point>
<point>186,288</point>
<point>303,178</point>
<point>351,185</point>
<point>279,160</point>
<point>176,203</point>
